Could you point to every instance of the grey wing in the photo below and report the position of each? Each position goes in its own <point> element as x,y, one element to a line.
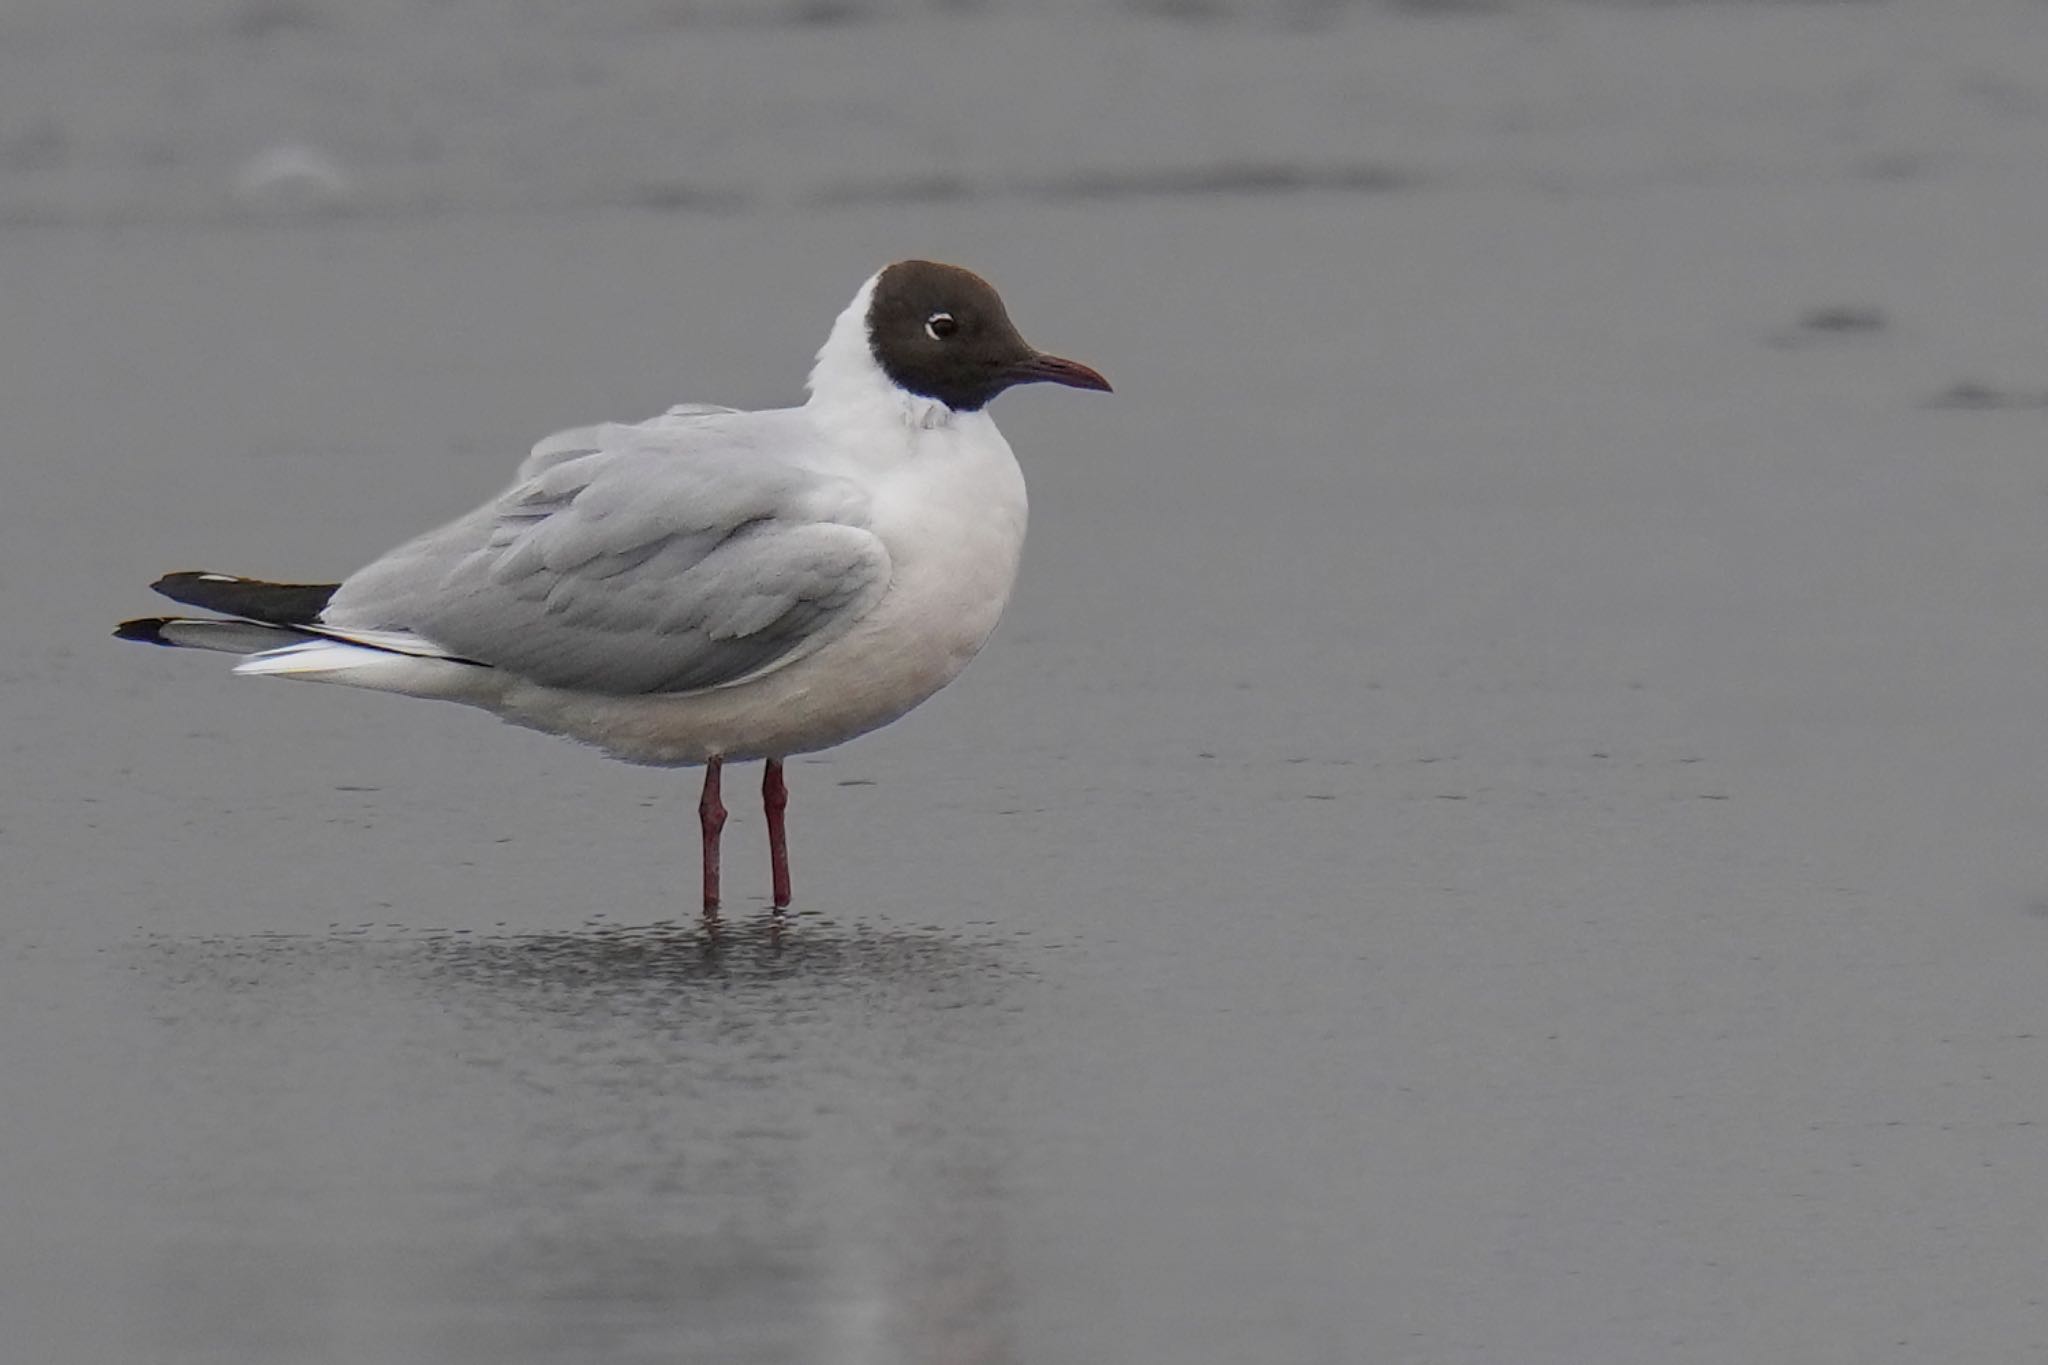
<point>637,571</point>
<point>580,441</point>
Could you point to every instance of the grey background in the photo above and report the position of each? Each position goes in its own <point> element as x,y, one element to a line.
<point>1505,822</point>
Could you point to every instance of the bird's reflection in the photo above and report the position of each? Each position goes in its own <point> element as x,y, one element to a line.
<point>754,1142</point>
<point>614,961</point>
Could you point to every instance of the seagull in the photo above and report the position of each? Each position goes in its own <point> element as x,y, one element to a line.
<point>713,585</point>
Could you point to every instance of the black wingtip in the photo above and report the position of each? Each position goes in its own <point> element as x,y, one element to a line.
<point>149,630</point>
<point>185,578</point>
<point>273,604</point>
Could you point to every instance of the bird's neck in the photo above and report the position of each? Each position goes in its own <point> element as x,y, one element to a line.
<point>849,390</point>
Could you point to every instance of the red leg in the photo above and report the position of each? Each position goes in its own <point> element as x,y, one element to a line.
<point>711,814</point>
<point>775,800</point>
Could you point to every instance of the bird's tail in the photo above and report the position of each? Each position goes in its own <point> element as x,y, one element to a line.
<point>267,615</point>
<point>277,626</point>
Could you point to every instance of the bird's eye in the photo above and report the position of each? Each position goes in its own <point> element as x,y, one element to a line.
<point>939,326</point>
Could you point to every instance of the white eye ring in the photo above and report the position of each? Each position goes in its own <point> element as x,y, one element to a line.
<point>939,326</point>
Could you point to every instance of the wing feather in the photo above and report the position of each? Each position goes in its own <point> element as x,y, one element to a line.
<point>679,556</point>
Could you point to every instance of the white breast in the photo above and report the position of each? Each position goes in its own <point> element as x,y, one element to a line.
<point>953,517</point>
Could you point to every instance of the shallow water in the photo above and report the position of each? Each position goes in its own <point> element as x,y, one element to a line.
<point>1502,825</point>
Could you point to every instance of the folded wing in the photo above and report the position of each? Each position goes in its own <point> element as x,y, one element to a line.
<point>685,554</point>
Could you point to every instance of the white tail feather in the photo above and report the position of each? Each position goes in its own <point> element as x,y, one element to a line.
<point>352,665</point>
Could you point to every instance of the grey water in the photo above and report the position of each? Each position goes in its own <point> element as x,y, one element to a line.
<point>1503,823</point>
